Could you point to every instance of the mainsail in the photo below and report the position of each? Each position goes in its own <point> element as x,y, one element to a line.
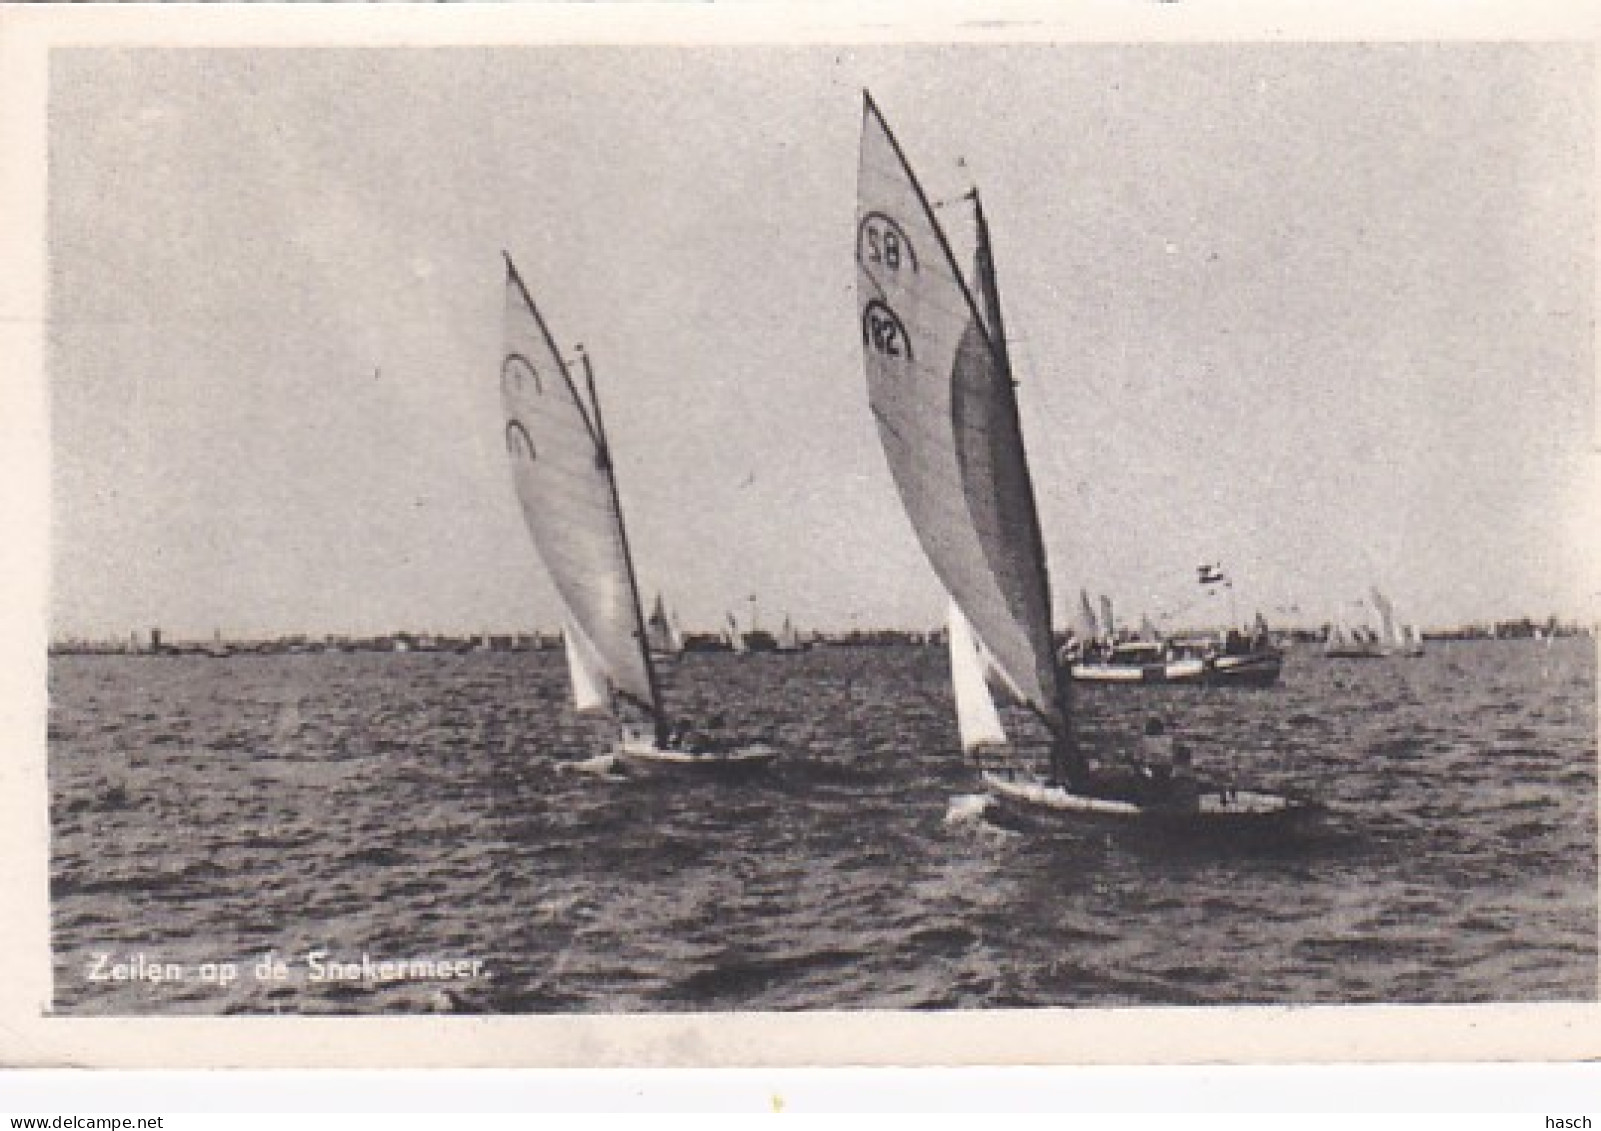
<point>1107,622</point>
<point>941,388</point>
<point>563,473</point>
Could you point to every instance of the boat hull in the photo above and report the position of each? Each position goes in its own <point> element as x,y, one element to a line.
<point>648,757</point>
<point>1214,812</point>
<point>1256,669</point>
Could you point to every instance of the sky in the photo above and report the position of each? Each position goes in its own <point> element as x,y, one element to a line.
<point>1320,313</point>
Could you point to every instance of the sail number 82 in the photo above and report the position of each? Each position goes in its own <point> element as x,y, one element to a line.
<point>883,332</point>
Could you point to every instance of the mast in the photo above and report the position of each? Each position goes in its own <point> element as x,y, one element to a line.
<point>603,454</point>
<point>990,292</point>
<point>1066,761</point>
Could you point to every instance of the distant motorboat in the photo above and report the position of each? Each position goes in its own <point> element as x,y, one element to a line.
<point>1194,662</point>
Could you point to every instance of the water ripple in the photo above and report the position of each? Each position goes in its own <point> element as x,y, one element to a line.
<point>427,805</point>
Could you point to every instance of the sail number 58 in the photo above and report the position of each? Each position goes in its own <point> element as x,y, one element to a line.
<point>882,243</point>
<point>884,247</point>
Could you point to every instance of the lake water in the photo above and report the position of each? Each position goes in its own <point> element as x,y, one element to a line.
<point>423,806</point>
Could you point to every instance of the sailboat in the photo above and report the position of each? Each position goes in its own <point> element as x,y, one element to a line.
<point>562,467</point>
<point>940,387</point>
<point>788,640</point>
<point>1085,627</point>
<point>735,637</point>
<point>1400,639</point>
<point>1348,641</point>
<point>665,641</point>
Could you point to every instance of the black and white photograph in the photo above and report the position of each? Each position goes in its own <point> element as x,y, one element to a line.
<point>820,526</point>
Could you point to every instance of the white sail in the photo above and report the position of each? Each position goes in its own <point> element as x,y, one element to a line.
<point>736,638</point>
<point>1108,624</point>
<point>587,670</point>
<point>1389,631</point>
<point>788,640</point>
<point>564,482</point>
<point>941,390</point>
<point>977,720</point>
<point>1086,627</point>
<point>661,632</point>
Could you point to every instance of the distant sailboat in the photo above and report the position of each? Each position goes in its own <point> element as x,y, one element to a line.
<point>1400,639</point>
<point>940,387</point>
<point>735,637</point>
<point>662,632</point>
<point>562,468</point>
<point>788,639</point>
<point>1085,626</point>
<point>1349,641</point>
<point>1386,611</point>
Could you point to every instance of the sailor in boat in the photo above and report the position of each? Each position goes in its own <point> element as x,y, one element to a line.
<point>1161,775</point>
<point>1168,768</point>
<point>1183,791</point>
<point>691,739</point>
<point>1156,747</point>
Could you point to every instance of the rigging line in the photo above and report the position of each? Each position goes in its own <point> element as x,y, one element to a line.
<point>964,198</point>
<point>1099,394</point>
